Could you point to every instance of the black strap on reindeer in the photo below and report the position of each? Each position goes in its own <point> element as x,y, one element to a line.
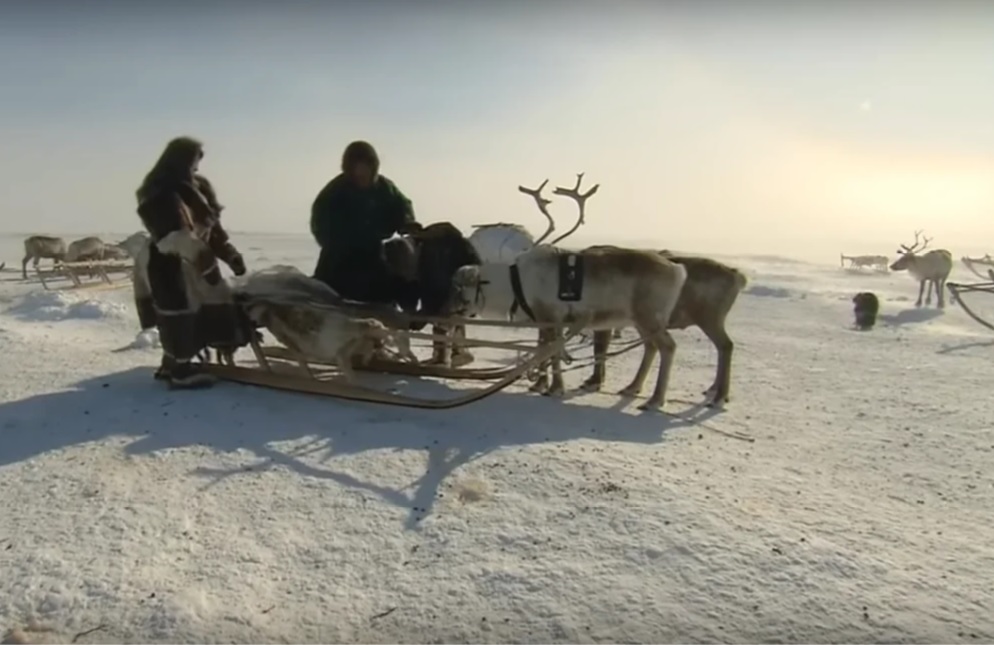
<point>519,296</point>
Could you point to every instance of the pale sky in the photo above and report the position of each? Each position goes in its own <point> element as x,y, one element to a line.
<point>800,128</point>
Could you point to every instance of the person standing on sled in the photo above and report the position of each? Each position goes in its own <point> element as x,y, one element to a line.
<point>180,211</point>
<point>350,218</point>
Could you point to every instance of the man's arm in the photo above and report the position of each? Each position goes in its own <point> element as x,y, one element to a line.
<point>402,210</point>
<point>220,244</point>
<point>325,215</point>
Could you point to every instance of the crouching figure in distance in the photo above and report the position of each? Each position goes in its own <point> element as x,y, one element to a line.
<point>866,306</point>
<point>188,300</point>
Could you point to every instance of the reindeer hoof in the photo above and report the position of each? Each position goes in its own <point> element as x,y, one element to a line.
<point>590,385</point>
<point>651,406</point>
<point>461,359</point>
<point>539,386</point>
<point>629,392</point>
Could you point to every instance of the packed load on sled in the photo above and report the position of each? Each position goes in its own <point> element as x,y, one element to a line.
<point>324,339</point>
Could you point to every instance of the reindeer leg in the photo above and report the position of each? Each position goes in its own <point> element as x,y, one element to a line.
<point>558,387</point>
<point>666,347</point>
<point>616,333</point>
<point>602,340</point>
<point>940,288</point>
<point>541,384</point>
<point>649,351</point>
<point>718,392</point>
<point>928,295</point>
<point>460,353</point>
<point>440,349</point>
<point>343,360</point>
<point>921,292</point>
<point>24,266</point>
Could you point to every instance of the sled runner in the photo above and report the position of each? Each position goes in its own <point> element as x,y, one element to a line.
<point>957,290</point>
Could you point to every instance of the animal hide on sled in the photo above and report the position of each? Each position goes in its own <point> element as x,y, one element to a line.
<point>313,321</point>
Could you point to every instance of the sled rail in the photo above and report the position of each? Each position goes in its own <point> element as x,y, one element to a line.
<point>958,289</point>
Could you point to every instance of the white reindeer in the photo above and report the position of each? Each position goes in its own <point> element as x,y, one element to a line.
<point>133,244</point>
<point>932,268</point>
<point>621,287</point>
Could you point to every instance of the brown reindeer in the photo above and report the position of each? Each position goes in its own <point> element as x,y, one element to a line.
<point>706,299</point>
<point>38,247</point>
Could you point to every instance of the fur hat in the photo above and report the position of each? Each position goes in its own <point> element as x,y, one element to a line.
<point>360,152</point>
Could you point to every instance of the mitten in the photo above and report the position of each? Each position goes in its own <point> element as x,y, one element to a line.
<point>237,264</point>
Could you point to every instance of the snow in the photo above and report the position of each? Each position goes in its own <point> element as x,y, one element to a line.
<point>861,512</point>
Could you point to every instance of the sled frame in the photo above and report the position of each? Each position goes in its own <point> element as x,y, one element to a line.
<point>957,289</point>
<point>314,377</point>
<point>73,272</point>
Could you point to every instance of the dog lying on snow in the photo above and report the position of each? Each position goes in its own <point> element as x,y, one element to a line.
<point>327,335</point>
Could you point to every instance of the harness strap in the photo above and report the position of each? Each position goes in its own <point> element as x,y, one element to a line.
<point>519,296</point>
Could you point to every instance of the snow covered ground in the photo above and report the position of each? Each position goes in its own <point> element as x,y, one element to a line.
<point>863,510</point>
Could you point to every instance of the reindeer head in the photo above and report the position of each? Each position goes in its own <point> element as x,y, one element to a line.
<point>908,253</point>
<point>401,257</point>
<point>466,298</point>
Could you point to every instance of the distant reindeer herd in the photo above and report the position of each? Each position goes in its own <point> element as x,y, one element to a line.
<point>80,255</point>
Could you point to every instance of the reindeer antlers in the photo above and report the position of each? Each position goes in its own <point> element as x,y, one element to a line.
<point>919,238</point>
<point>581,201</point>
<point>542,204</point>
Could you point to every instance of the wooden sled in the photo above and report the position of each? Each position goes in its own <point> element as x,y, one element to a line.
<point>75,271</point>
<point>275,369</point>
<point>957,290</point>
<point>986,262</point>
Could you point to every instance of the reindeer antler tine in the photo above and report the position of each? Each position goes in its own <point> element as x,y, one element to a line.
<point>580,199</point>
<point>542,203</point>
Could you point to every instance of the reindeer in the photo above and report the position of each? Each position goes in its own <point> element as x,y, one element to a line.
<point>38,247</point>
<point>87,249</point>
<point>860,261</point>
<point>133,244</point>
<point>706,299</point>
<point>622,286</point>
<point>933,267</point>
<point>503,242</point>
